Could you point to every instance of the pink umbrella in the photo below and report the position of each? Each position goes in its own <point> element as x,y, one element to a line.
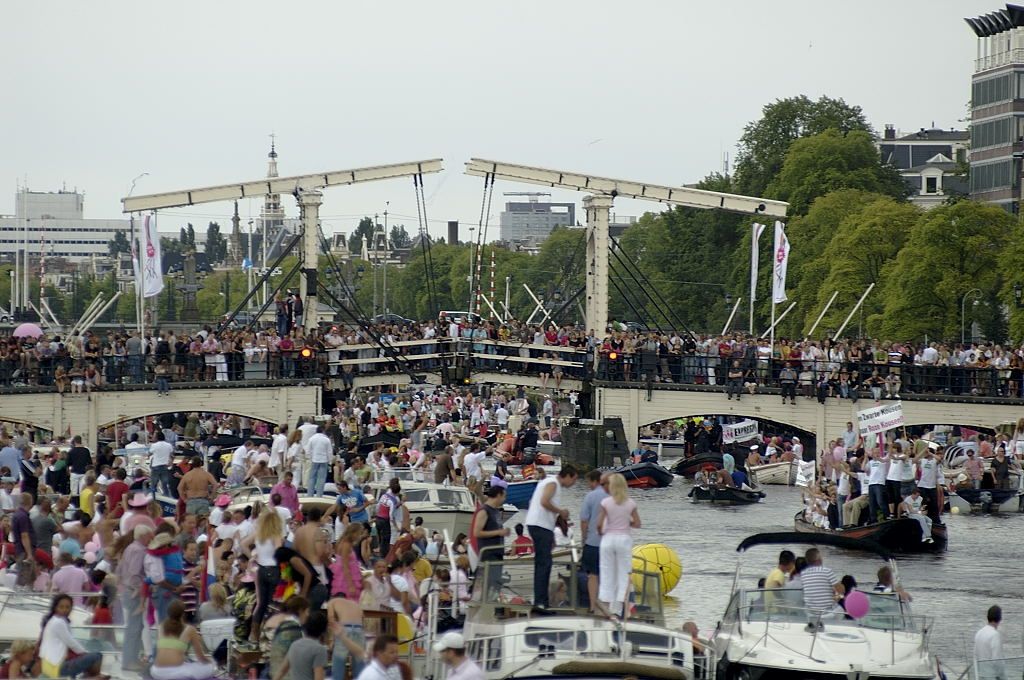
<point>28,330</point>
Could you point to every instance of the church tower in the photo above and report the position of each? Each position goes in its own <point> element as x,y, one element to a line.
<point>272,214</point>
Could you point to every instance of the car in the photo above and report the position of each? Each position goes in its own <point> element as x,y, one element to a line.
<point>391,320</point>
<point>458,317</point>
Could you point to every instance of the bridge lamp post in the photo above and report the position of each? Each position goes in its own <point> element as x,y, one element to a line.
<point>975,293</point>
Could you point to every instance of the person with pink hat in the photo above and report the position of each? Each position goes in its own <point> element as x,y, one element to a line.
<point>137,514</point>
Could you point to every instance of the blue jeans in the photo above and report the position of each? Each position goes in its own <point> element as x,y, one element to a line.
<point>135,367</point>
<point>341,653</point>
<point>317,479</point>
<point>543,544</point>
<point>162,384</point>
<point>131,607</point>
<point>162,599</point>
<point>162,479</point>
<point>877,501</point>
<point>80,664</point>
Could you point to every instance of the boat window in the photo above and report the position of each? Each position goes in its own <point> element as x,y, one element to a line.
<point>643,641</point>
<point>416,495</point>
<point>885,612</point>
<point>566,640</point>
<point>450,497</point>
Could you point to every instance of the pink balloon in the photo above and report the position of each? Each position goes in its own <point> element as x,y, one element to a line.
<point>90,557</point>
<point>92,546</point>
<point>856,604</point>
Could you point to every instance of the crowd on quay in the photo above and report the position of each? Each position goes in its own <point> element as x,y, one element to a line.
<point>847,368</point>
<point>79,521</point>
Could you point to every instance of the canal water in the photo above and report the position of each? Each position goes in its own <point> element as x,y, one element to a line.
<point>982,566</point>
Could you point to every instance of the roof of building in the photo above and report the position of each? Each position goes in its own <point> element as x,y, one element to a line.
<point>997,22</point>
<point>945,167</point>
<point>933,135</point>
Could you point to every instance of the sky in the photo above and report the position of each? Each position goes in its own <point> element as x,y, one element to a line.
<point>94,94</point>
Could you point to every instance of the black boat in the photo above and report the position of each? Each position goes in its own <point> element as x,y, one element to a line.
<point>389,439</point>
<point>646,475</point>
<point>986,500</point>
<point>688,467</point>
<point>725,495</point>
<point>901,535</point>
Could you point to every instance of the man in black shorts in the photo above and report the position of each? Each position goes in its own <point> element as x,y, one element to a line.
<point>591,538</point>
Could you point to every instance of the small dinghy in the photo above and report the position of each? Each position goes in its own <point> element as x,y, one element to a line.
<point>645,475</point>
<point>688,467</point>
<point>725,495</point>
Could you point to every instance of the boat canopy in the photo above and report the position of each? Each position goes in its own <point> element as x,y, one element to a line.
<point>785,537</point>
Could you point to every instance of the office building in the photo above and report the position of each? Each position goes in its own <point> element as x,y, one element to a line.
<point>54,223</point>
<point>531,221</point>
<point>997,107</point>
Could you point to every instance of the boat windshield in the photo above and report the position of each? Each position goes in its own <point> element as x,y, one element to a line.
<point>507,587</point>
<point>786,605</point>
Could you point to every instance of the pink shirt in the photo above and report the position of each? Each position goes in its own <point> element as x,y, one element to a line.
<point>617,517</point>
<point>70,579</point>
<point>289,496</point>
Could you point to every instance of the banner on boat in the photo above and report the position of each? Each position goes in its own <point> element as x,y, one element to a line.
<point>880,418</point>
<point>805,473</point>
<point>739,432</point>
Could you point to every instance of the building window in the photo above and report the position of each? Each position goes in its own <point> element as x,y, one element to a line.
<point>992,133</point>
<point>992,176</point>
<point>992,90</point>
<point>931,185</point>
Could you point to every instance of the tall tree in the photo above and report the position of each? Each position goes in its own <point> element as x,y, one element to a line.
<point>951,251</point>
<point>119,244</point>
<point>216,244</point>
<point>765,142</point>
<point>400,237</point>
<point>832,160</point>
<point>362,233</point>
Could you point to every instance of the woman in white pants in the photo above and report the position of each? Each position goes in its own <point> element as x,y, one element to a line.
<point>616,520</point>
<point>176,639</point>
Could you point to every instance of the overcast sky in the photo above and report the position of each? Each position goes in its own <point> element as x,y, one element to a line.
<point>94,93</point>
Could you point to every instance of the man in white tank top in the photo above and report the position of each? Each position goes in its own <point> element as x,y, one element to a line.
<point>544,511</point>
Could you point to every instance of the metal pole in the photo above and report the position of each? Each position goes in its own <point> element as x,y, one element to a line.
<point>96,301</point>
<point>776,322</point>
<point>853,311</point>
<point>822,315</point>
<point>963,312</point>
<point>771,329</point>
<point>598,208</point>
<point>384,276</point>
<point>508,281</point>
<point>728,322</point>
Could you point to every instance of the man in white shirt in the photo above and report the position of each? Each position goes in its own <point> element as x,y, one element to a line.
<point>385,658</point>
<point>239,462</point>
<point>988,647</point>
<point>308,429</point>
<point>452,648</point>
<point>161,456</point>
<point>541,518</point>
<point>278,449</point>
<point>547,410</point>
<point>472,463</point>
<point>320,453</point>
<point>501,417</point>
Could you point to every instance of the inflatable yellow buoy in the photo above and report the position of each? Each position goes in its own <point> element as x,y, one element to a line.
<point>953,511</point>
<point>656,558</point>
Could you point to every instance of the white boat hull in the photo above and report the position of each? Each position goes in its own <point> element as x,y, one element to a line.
<point>962,505</point>
<point>775,473</point>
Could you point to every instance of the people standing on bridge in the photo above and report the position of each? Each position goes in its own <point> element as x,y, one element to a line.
<point>734,380</point>
<point>787,380</point>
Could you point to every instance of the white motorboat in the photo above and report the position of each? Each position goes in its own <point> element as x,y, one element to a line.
<point>774,473</point>
<point>441,507</point>
<point>549,447</point>
<point>770,633</point>
<point>507,642</point>
<point>666,447</point>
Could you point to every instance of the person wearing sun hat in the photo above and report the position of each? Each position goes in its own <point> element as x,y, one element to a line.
<point>220,504</point>
<point>452,648</point>
<point>137,514</point>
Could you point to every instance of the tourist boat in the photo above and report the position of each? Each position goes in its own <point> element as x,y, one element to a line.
<point>646,475</point>
<point>688,467</point>
<point>986,500</point>
<point>901,535</point>
<point>774,473</point>
<point>786,639</point>
<point>441,507</point>
<point>509,643</point>
<point>725,495</point>
<point>245,496</point>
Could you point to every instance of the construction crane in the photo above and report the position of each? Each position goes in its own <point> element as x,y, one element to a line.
<point>601,192</point>
<point>307,191</point>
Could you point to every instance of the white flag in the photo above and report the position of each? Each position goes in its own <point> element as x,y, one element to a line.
<point>149,252</point>
<point>758,229</point>
<point>781,260</point>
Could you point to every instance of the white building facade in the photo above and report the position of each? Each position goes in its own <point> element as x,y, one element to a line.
<point>53,224</point>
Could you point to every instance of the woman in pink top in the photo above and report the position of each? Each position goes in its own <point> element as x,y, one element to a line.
<point>616,520</point>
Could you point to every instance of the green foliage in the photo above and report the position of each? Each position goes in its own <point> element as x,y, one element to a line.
<point>829,161</point>
<point>362,233</point>
<point>170,246</point>
<point>188,237</point>
<point>400,237</point>
<point>765,142</point>
<point>119,244</point>
<point>949,252</point>
<point>216,245</point>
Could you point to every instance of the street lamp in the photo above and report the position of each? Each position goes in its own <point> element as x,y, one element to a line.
<point>976,293</point>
